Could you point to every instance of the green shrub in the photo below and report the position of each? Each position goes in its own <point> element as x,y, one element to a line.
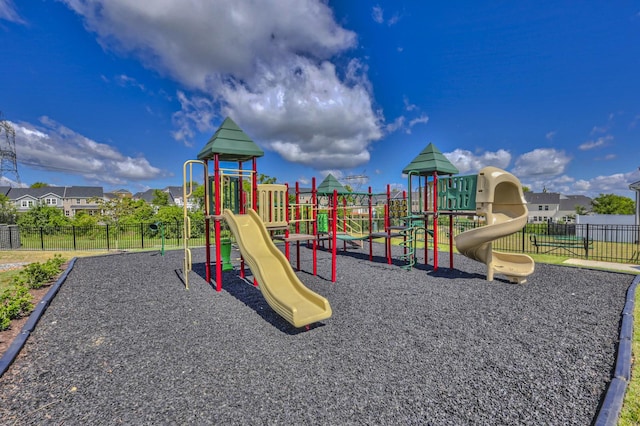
<point>37,274</point>
<point>15,302</point>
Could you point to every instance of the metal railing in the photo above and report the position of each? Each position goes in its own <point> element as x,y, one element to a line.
<point>612,243</point>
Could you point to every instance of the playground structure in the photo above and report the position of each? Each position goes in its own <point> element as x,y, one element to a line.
<point>493,194</point>
<point>258,214</point>
<point>500,200</point>
<point>272,272</point>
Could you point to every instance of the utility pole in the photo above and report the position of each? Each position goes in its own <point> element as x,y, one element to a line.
<point>8,159</point>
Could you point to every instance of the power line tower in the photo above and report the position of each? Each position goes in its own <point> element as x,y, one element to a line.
<point>8,159</point>
<point>356,181</point>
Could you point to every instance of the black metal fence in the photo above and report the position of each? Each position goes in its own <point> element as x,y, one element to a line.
<point>613,243</point>
<point>100,237</point>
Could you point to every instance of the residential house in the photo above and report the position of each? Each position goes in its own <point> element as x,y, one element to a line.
<point>69,199</point>
<point>554,207</point>
<point>175,197</point>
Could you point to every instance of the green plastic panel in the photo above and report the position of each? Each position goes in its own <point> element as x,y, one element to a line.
<point>457,193</point>
<point>323,223</point>
<point>230,196</point>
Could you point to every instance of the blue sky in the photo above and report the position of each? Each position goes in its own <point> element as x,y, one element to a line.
<point>121,93</point>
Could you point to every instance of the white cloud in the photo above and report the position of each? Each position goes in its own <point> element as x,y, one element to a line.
<point>422,119</point>
<point>377,14</point>
<point>617,183</point>
<point>51,146</point>
<point>541,162</point>
<point>5,181</point>
<point>9,13</point>
<point>198,112</point>
<point>467,162</point>
<point>550,135</point>
<point>268,67</point>
<point>601,141</point>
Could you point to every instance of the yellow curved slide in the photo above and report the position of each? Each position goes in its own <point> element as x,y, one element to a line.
<point>280,286</point>
<point>499,198</point>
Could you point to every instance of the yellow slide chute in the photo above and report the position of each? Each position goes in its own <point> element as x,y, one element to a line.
<point>279,284</point>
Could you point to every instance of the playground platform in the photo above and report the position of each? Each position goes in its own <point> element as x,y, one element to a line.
<point>123,342</point>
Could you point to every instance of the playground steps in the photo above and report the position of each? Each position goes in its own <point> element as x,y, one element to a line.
<point>408,244</point>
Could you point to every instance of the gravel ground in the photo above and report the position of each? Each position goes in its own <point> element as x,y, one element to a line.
<point>123,342</point>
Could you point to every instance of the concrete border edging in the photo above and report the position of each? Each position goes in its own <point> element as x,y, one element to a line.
<point>612,405</point>
<point>20,340</point>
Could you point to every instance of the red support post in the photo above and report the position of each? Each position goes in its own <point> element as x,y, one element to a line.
<point>315,224</point>
<point>297,223</point>
<point>287,249</point>
<point>404,198</point>
<point>435,221</point>
<point>334,230</point>
<point>426,217</point>
<point>216,219</point>
<point>254,185</point>
<point>370,226</point>
<point>387,243</point>
<point>207,228</point>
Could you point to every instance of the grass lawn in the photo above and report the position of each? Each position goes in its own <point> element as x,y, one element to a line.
<point>19,256</point>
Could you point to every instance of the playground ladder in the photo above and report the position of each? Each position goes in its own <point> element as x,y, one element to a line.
<point>408,245</point>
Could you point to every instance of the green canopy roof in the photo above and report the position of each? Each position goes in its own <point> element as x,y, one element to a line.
<point>431,160</point>
<point>231,143</point>
<point>329,184</point>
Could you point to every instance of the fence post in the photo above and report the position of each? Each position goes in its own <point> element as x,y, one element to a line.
<point>108,237</point>
<point>74,237</point>
<point>142,234</point>
<point>41,238</point>
<point>586,244</point>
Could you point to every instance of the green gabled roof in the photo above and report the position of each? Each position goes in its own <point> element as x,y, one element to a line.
<point>329,184</point>
<point>231,143</point>
<point>431,160</point>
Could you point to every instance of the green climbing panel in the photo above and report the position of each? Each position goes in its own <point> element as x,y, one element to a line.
<point>457,193</point>
<point>323,223</point>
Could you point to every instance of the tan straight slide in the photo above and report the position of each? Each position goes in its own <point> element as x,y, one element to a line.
<point>279,284</point>
<point>499,198</point>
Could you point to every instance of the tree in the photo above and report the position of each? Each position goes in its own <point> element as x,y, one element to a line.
<point>118,211</point>
<point>39,185</point>
<point>83,219</point>
<point>8,212</point>
<point>526,188</point>
<point>160,198</point>
<point>43,216</point>
<point>582,210</point>
<point>198,195</point>
<point>613,204</point>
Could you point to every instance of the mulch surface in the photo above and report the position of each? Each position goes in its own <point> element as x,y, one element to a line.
<point>124,342</point>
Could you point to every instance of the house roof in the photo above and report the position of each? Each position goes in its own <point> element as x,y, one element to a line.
<point>542,197</point>
<point>174,191</point>
<point>231,143</point>
<point>569,202</point>
<point>329,184</point>
<point>59,191</point>
<point>430,161</point>
<point>83,191</point>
